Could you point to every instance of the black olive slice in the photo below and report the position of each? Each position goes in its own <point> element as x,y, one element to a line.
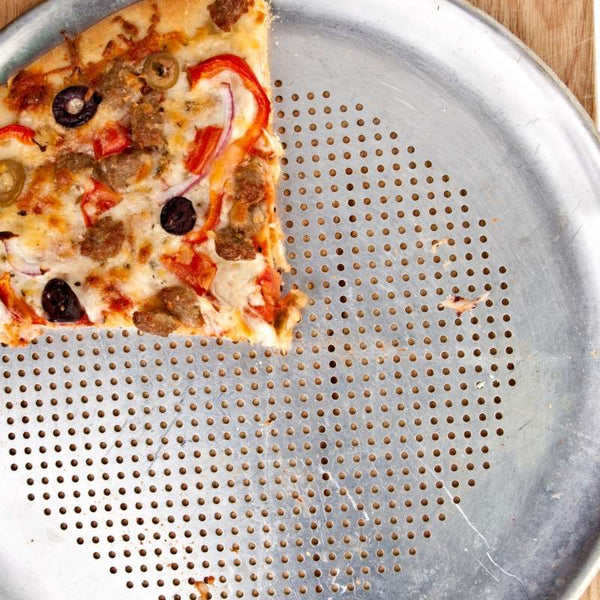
<point>75,106</point>
<point>60,302</point>
<point>178,216</point>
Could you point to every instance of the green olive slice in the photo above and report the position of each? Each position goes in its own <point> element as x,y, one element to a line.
<point>12,179</point>
<point>161,70</point>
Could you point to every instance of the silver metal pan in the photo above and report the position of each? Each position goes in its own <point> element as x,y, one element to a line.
<point>399,450</point>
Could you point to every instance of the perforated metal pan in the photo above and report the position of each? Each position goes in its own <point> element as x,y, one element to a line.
<point>399,450</point>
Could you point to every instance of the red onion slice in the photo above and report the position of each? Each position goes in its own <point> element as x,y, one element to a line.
<point>228,104</point>
<point>17,260</point>
<point>181,189</point>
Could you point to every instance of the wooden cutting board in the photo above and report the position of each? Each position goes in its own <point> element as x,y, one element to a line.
<point>560,31</point>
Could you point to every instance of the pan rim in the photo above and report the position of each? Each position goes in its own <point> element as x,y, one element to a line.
<point>21,27</point>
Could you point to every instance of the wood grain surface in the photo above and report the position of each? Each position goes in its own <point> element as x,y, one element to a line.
<point>11,9</point>
<point>560,31</point>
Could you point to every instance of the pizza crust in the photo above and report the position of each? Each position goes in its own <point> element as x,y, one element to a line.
<point>191,17</point>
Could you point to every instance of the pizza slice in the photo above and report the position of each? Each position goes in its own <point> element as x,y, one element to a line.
<point>137,180</point>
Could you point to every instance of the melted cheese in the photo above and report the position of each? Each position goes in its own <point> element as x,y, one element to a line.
<point>235,284</point>
<point>216,322</point>
<point>29,155</point>
<point>243,100</point>
<point>91,298</point>
<point>262,333</point>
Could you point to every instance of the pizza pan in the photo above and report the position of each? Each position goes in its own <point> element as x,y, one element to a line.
<point>405,447</point>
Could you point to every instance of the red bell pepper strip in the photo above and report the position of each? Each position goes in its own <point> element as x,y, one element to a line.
<point>218,179</point>
<point>194,268</point>
<point>205,145</point>
<point>226,164</point>
<point>229,62</point>
<point>113,138</point>
<point>97,202</point>
<point>270,285</point>
<point>16,306</point>
<point>18,132</point>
